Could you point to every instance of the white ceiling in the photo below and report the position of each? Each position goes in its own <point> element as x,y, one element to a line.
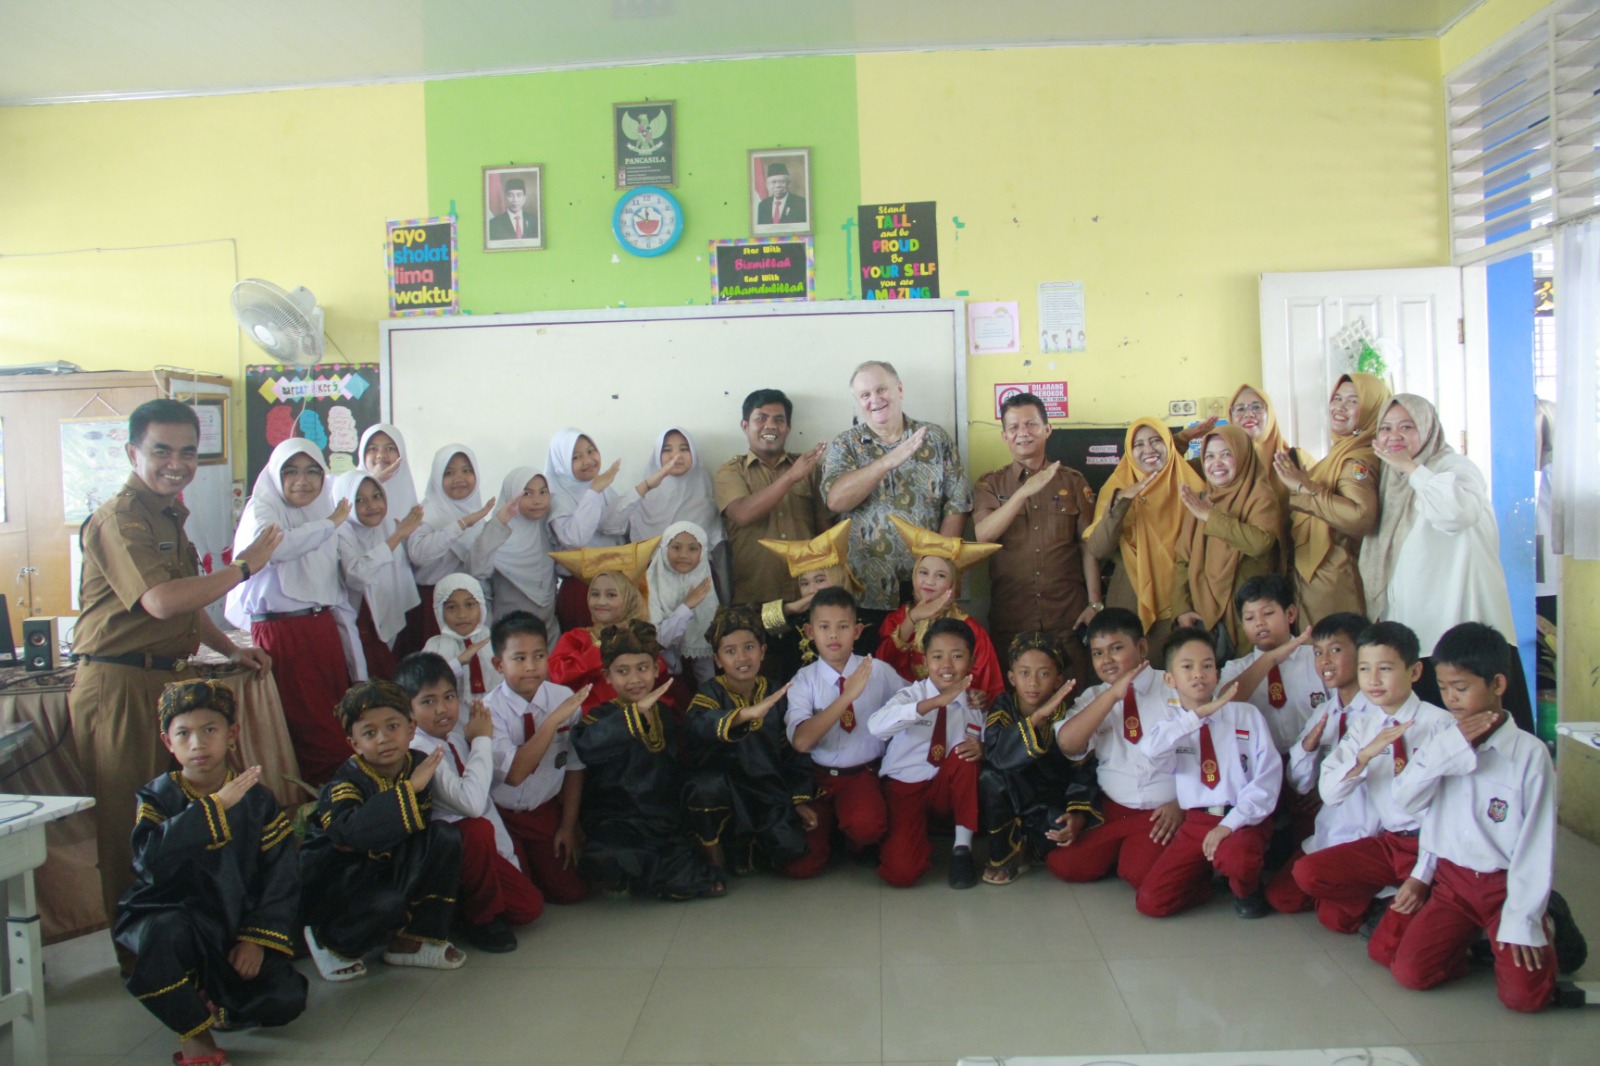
<point>65,50</point>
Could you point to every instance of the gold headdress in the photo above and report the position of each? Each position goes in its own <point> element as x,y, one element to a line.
<point>629,560</point>
<point>962,554</point>
<point>830,548</point>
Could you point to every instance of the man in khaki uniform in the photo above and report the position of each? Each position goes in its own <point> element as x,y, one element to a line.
<point>143,600</point>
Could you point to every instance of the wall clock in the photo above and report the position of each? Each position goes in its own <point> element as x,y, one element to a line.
<point>647,221</point>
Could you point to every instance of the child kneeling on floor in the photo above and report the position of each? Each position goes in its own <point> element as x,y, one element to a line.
<point>378,870</point>
<point>211,912</point>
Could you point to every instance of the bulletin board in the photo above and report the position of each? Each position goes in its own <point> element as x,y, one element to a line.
<point>329,404</point>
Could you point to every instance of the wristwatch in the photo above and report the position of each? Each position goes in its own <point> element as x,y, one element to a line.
<point>244,568</point>
<point>1098,605</point>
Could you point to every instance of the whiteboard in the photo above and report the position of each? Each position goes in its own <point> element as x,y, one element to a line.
<point>504,384</point>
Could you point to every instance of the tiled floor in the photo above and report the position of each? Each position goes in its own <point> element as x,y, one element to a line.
<point>842,970</point>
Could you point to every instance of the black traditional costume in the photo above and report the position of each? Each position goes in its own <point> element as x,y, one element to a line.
<point>1026,784</point>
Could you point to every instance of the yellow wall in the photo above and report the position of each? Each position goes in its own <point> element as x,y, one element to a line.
<point>290,186</point>
<point>1165,178</point>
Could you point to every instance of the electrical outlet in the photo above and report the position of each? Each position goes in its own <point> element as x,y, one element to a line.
<point>1181,408</point>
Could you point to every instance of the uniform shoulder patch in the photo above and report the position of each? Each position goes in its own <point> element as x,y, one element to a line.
<point>1360,471</point>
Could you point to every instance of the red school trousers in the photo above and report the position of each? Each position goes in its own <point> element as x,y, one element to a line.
<point>491,887</point>
<point>534,834</point>
<point>852,799</point>
<point>1343,880</point>
<point>1121,842</point>
<point>1433,949</point>
<point>952,792</point>
<point>309,669</point>
<point>1181,877</point>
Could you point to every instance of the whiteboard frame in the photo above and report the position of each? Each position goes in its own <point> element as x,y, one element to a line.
<point>954,309</point>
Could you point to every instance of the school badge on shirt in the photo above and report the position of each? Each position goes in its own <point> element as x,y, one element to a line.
<point>1497,810</point>
<point>1318,699</point>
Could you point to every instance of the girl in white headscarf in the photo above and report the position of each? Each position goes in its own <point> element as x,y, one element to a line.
<point>683,603</point>
<point>378,580</point>
<point>516,545</point>
<point>585,512</point>
<point>451,508</point>
<point>288,605</point>
<point>384,455</point>
<point>463,637</point>
<point>677,489</point>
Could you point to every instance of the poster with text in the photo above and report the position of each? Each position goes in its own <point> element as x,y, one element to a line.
<point>94,464</point>
<point>747,271</point>
<point>329,405</point>
<point>899,251</point>
<point>646,143</point>
<point>421,263</point>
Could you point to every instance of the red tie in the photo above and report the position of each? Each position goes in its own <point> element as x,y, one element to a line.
<point>848,718</point>
<point>1398,748</point>
<point>777,210</point>
<point>1275,693</point>
<point>516,224</point>
<point>1209,775</point>
<point>475,673</point>
<point>1130,717</point>
<point>461,767</point>
<point>1342,716</point>
<point>936,745</point>
<point>528,726</point>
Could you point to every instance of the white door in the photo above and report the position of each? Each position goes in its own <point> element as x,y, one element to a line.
<point>1434,318</point>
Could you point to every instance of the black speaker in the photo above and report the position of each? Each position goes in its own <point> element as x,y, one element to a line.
<point>8,653</point>
<point>41,643</point>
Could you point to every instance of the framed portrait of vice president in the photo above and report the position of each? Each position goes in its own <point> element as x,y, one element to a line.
<point>780,191</point>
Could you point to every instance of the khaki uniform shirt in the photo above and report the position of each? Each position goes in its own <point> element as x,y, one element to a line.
<point>134,542</point>
<point>759,575</point>
<point>1037,575</point>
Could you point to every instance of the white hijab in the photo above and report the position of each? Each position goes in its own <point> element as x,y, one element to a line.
<point>668,588</point>
<point>312,577</point>
<point>566,491</point>
<point>524,559</point>
<point>438,509</point>
<point>401,488</point>
<point>393,589</point>
<point>441,593</point>
<point>686,497</point>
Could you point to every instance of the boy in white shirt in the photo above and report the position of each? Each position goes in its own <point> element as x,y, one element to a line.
<point>935,742</point>
<point>1279,677</point>
<point>1485,791</point>
<point>1113,719</point>
<point>829,702</point>
<point>539,788</point>
<point>1364,766</point>
<point>1334,642</point>
<point>494,893</point>
<point>1227,772</point>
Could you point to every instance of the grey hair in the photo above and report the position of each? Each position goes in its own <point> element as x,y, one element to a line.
<point>874,364</point>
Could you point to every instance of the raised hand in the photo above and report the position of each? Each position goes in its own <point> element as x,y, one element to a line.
<point>1313,739</point>
<point>569,708</point>
<point>341,511</point>
<point>901,453</point>
<point>696,596</point>
<point>423,774</point>
<point>471,651</point>
<point>480,723</point>
<point>806,462</point>
<point>234,790</point>
<point>856,683</point>
<point>1475,726</point>
<point>1288,473</point>
<point>1048,707</point>
<point>1196,504</point>
<point>259,552</point>
<point>470,520</point>
<point>1380,743</point>
<point>1137,489</point>
<point>1119,688</point>
<point>1224,697</point>
<point>508,511</point>
<point>946,698</point>
<point>930,609</point>
<point>1036,483</point>
<point>760,710</point>
<point>603,480</point>
<point>652,698</point>
<point>410,523</point>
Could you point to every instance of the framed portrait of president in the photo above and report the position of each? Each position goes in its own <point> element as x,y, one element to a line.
<point>513,208</point>
<point>780,191</point>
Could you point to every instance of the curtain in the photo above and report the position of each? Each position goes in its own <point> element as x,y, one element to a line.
<point>1576,464</point>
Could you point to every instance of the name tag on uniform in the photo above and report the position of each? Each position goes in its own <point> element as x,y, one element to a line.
<point>167,545</point>
<point>1185,749</point>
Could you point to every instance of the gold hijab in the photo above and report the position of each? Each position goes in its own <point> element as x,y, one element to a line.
<point>1270,440</point>
<point>1150,528</point>
<point>1213,562</point>
<point>1312,537</point>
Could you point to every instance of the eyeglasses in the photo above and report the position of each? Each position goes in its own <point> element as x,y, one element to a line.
<point>1248,409</point>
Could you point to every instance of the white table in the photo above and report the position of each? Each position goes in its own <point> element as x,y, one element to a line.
<point>22,850</point>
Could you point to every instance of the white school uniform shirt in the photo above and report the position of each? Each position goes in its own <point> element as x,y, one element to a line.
<point>1304,693</point>
<point>1250,770</point>
<point>1338,823</point>
<point>511,732</point>
<point>1125,773</point>
<point>1376,783</point>
<point>816,686</point>
<point>1490,808</point>
<point>458,795</point>
<point>909,734</point>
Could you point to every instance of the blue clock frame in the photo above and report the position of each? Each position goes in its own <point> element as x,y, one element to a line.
<point>622,205</point>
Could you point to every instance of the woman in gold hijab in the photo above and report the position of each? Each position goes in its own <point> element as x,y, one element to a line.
<point>1136,523</point>
<point>1230,534</point>
<point>1335,503</point>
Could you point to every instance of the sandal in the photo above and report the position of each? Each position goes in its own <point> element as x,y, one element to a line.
<point>216,1058</point>
<point>429,956</point>
<point>1001,875</point>
<point>331,965</point>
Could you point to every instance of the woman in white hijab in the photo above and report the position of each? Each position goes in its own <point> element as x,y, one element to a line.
<point>288,605</point>
<point>451,509</point>
<point>380,585</point>
<point>463,637</point>
<point>683,603</point>
<point>585,512</point>
<point>515,546</point>
<point>678,489</point>
<point>384,455</point>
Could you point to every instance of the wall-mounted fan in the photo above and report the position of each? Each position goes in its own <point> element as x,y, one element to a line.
<point>286,325</point>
